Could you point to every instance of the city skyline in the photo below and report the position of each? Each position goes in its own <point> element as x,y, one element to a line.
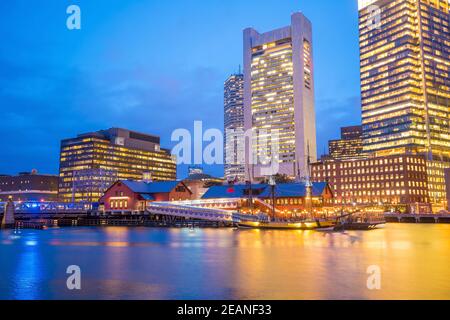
<point>126,86</point>
<point>225,155</point>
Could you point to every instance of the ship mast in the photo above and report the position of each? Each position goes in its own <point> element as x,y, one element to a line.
<point>250,191</point>
<point>308,185</point>
<point>272,184</point>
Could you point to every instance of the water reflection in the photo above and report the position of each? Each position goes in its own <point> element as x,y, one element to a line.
<point>141,263</point>
<point>27,279</point>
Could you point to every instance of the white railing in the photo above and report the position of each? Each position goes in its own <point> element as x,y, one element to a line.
<point>191,212</point>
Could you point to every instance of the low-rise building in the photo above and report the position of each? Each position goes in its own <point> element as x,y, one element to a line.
<point>289,198</point>
<point>29,186</point>
<point>127,195</point>
<point>388,180</point>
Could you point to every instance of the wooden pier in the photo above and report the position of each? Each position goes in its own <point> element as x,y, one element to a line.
<point>151,221</point>
<point>37,225</point>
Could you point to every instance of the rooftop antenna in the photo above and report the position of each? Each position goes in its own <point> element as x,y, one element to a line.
<point>239,69</point>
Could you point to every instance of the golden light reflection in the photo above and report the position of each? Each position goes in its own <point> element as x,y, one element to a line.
<point>414,260</point>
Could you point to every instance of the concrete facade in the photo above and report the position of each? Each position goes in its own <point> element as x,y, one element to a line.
<point>279,95</point>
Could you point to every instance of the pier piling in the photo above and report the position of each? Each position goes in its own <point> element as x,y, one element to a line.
<point>8,220</point>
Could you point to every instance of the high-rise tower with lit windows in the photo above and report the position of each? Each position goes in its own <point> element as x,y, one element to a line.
<point>234,127</point>
<point>405,76</point>
<point>405,82</point>
<point>279,96</point>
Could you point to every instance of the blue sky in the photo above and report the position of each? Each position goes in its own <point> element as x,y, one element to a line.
<point>151,66</point>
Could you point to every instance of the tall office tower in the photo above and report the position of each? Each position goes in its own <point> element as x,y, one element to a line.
<point>234,127</point>
<point>279,97</point>
<point>405,82</point>
<point>349,146</point>
<point>92,162</point>
<point>405,76</point>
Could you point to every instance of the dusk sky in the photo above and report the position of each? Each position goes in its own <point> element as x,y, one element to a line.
<point>150,66</point>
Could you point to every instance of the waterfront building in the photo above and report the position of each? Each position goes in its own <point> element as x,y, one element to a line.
<point>349,146</point>
<point>279,98</point>
<point>133,196</point>
<point>389,180</point>
<point>234,128</point>
<point>290,198</point>
<point>405,82</point>
<point>92,162</point>
<point>29,186</point>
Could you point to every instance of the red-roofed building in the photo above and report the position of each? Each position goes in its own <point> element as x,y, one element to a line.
<point>135,195</point>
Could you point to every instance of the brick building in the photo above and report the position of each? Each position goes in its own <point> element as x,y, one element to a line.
<point>127,195</point>
<point>390,180</point>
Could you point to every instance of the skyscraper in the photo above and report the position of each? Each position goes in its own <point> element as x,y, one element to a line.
<point>405,82</point>
<point>405,76</point>
<point>234,127</point>
<point>279,96</point>
<point>92,162</point>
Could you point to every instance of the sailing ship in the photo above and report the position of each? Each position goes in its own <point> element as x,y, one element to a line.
<point>272,222</point>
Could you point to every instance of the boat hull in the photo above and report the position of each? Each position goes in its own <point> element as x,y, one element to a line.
<point>359,226</point>
<point>309,225</point>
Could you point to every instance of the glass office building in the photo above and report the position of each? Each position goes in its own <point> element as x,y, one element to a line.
<point>349,146</point>
<point>405,82</point>
<point>405,76</point>
<point>92,162</point>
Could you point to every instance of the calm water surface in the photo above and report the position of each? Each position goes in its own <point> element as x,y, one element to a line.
<point>141,263</point>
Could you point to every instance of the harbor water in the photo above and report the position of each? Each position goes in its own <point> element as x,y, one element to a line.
<point>147,263</point>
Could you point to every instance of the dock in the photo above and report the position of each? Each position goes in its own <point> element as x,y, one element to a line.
<point>417,218</point>
<point>37,225</point>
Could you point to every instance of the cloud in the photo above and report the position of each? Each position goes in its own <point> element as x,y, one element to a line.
<point>40,105</point>
<point>331,115</point>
